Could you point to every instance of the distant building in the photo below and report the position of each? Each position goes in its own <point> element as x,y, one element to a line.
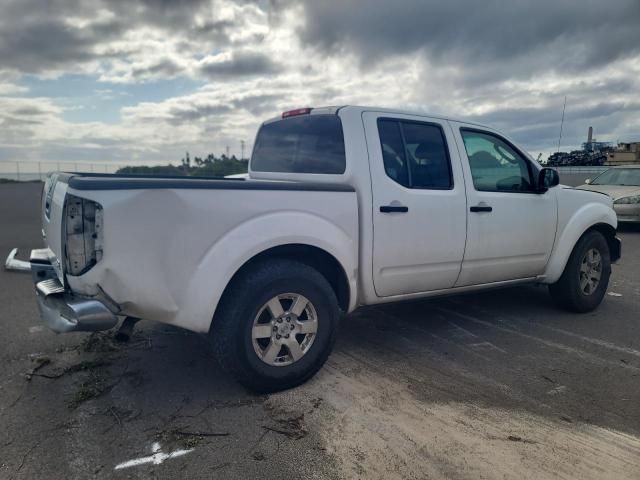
<point>595,153</point>
<point>624,153</point>
<point>592,145</point>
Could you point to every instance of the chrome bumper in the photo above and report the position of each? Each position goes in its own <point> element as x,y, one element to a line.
<point>61,310</point>
<point>12,263</point>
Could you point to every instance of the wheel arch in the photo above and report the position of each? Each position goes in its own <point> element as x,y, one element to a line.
<point>590,217</point>
<point>317,258</point>
<point>609,233</point>
<point>271,233</point>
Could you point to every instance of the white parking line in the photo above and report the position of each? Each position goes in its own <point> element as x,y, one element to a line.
<point>486,346</point>
<point>157,458</point>
<point>595,341</point>
<point>548,343</point>
<point>462,346</point>
<point>462,331</point>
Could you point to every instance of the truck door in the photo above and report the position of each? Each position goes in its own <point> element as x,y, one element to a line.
<point>419,203</point>
<point>511,228</point>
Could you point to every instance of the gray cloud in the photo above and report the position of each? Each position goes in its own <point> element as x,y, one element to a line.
<point>195,112</point>
<point>258,105</point>
<point>37,37</point>
<point>544,115</point>
<point>29,111</point>
<point>240,64</point>
<point>40,45</point>
<point>506,64</point>
<point>491,55</point>
<point>492,34</point>
<point>165,67</point>
<point>539,129</point>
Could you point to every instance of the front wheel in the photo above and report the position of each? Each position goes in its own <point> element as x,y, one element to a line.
<point>276,325</point>
<point>585,279</point>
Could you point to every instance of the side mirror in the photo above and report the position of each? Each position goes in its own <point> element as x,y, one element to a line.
<point>547,178</point>
<point>587,181</point>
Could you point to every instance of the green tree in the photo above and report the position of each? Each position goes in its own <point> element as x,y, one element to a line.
<point>209,166</point>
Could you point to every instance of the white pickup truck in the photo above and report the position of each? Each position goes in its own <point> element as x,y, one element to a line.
<point>343,207</point>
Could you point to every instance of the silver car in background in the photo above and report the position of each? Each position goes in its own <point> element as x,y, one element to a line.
<point>622,184</point>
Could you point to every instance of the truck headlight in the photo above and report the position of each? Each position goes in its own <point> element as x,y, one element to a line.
<point>627,200</point>
<point>82,234</point>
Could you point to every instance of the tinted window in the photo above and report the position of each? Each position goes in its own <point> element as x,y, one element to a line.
<point>393,154</point>
<point>304,144</point>
<point>495,165</point>
<point>415,154</point>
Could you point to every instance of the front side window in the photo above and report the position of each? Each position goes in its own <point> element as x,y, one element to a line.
<point>495,165</point>
<point>415,154</point>
<point>303,144</point>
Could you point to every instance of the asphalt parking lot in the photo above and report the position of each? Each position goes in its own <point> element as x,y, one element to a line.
<point>491,385</point>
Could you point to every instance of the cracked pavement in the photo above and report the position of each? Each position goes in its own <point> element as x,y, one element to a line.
<point>494,385</point>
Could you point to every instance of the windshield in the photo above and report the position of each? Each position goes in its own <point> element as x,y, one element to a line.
<point>619,176</point>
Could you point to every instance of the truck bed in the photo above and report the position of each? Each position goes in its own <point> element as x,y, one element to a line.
<point>170,245</point>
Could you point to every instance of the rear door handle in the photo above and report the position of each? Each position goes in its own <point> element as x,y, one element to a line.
<point>481,208</point>
<point>394,209</point>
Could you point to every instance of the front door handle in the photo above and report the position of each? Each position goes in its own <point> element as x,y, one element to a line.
<point>394,209</point>
<point>481,208</point>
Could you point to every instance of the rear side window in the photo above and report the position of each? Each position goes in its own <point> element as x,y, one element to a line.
<point>303,144</point>
<point>415,154</point>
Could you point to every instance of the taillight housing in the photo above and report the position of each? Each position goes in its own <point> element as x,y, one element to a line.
<point>296,112</point>
<point>47,194</point>
<point>82,233</point>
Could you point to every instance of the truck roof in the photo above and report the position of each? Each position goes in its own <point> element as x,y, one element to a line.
<point>332,109</point>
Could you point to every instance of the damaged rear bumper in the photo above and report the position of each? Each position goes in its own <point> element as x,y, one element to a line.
<point>12,263</point>
<point>60,309</point>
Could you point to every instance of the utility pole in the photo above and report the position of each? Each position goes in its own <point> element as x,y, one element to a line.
<point>241,149</point>
<point>562,122</point>
<point>227,148</point>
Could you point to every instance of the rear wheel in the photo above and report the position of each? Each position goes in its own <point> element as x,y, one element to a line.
<point>585,279</point>
<point>276,325</point>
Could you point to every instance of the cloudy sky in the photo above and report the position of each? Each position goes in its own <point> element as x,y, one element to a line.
<point>150,79</point>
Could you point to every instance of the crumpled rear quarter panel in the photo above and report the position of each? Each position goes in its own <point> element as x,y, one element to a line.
<point>168,254</point>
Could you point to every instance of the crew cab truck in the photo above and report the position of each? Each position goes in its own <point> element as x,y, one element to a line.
<point>343,207</point>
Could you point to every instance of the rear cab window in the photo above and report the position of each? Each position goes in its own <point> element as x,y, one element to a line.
<point>301,144</point>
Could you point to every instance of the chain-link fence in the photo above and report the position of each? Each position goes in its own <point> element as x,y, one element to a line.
<point>31,171</point>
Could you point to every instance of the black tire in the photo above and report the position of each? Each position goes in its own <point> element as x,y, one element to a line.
<point>231,331</point>
<point>567,291</point>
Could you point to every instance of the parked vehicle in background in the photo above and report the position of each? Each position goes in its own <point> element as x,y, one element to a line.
<point>622,184</point>
<point>343,207</point>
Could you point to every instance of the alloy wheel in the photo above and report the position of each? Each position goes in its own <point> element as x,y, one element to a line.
<point>284,329</point>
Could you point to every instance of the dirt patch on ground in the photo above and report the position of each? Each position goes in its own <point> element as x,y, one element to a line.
<point>376,428</point>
